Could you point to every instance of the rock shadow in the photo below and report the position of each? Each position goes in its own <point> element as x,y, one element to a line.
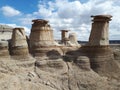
<point>53,54</point>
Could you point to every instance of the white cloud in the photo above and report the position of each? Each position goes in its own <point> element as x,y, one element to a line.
<point>75,15</point>
<point>72,15</point>
<point>27,30</point>
<point>10,11</point>
<point>26,20</point>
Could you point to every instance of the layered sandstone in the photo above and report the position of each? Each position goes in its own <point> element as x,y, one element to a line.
<point>64,37</point>
<point>98,49</point>
<point>75,70</point>
<point>70,41</point>
<point>73,39</point>
<point>4,52</point>
<point>41,38</point>
<point>5,32</point>
<point>100,28</point>
<point>18,45</point>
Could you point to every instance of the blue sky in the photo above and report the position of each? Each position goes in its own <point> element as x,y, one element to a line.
<point>27,6</point>
<point>62,14</point>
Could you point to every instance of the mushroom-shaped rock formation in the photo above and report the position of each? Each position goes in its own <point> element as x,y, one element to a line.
<point>99,32</point>
<point>41,38</point>
<point>64,38</point>
<point>64,35</point>
<point>98,49</point>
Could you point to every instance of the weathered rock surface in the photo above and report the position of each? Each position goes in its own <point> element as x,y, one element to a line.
<point>116,51</point>
<point>49,74</point>
<point>73,40</point>
<point>5,32</point>
<point>4,52</point>
<point>41,38</point>
<point>18,44</point>
<point>99,32</point>
<point>59,67</point>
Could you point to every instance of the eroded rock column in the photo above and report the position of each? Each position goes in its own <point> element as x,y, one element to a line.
<point>41,38</point>
<point>73,39</point>
<point>98,49</point>
<point>64,38</point>
<point>100,28</point>
<point>18,45</point>
<point>64,35</point>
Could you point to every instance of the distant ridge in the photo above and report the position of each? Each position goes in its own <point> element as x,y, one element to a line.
<point>110,41</point>
<point>5,28</point>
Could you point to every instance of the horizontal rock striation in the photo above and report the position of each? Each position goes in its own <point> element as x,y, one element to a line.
<point>4,52</point>
<point>18,44</point>
<point>41,38</point>
<point>64,66</point>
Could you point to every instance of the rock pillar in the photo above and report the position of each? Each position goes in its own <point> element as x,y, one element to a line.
<point>41,38</point>
<point>73,39</point>
<point>64,35</point>
<point>18,45</point>
<point>98,49</point>
<point>64,38</point>
<point>99,33</point>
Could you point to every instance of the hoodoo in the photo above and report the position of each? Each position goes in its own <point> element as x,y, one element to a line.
<point>19,44</point>
<point>41,38</point>
<point>70,40</point>
<point>99,33</point>
<point>98,49</point>
<point>5,36</point>
<point>73,39</point>
<point>64,37</point>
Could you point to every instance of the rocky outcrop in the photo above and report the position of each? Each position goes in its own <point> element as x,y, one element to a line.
<point>4,52</point>
<point>116,51</point>
<point>5,32</point>
<point>83,62</point>
<point>47,75</point>
<point>100,54</point>
<point>99,33</point>
<point>18,44</point>
<point>59,67</point>
<point>69,41</point>
<point>5,36</point>
<point>64,38</point>
<point>98,49</point>
<point>73,39</point>
<point>41,38</point>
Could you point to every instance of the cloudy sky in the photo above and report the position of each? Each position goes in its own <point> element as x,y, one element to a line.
<point>73,15</point>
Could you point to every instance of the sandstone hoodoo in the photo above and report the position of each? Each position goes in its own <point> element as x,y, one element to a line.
<point>73,39</point>
<point>99,33</point>
<point>5,36</point>
<point>18,45</point>
<point>64,37</point>
<point>41,38</point>
<point>98,49</point>
<point>70,41</point>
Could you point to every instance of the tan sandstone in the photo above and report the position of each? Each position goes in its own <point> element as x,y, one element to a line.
<point>18,45</point>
